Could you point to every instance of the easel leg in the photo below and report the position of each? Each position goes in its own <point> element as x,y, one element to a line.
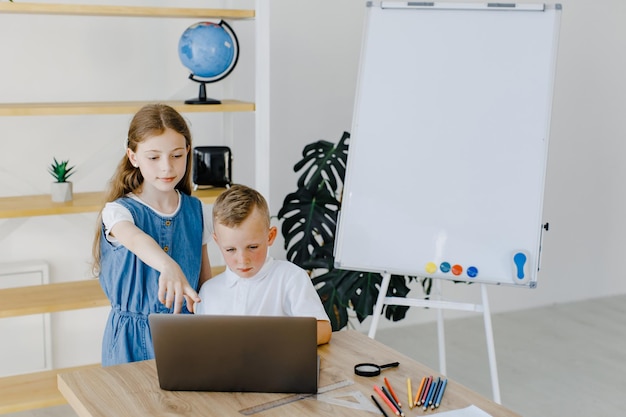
<point>491,350</point>
<point>380,302</point>
<point>440,331</point>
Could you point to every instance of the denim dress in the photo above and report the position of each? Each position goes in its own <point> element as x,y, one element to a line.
<point>132,286</point>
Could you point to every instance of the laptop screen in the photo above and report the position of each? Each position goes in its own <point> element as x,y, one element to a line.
<point>235,353</point>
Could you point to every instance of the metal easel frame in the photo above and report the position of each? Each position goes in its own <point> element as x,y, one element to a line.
<point>441,305</point>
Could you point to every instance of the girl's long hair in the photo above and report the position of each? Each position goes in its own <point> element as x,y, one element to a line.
<point>150,120</point>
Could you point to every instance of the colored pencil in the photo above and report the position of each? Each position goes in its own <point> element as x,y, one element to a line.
<point>393,401</point>
<point>409,392</point>
<point>386,400</point>
<point>393,394</point>
<point>440,395</point>
<point>418,394</point>
<point>380,407</point>
<point>435,391</point>
<point>431,391</point>
<point>429,381</point>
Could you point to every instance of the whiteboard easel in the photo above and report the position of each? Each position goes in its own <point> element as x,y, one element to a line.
<point>440,305</point>
<point>452,121</point>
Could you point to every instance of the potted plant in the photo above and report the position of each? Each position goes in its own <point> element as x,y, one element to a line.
<point>61,189</point>
<point>309,217</point>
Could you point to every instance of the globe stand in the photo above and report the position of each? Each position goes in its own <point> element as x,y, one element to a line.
<point>202,98</point>
<point>208,43</point>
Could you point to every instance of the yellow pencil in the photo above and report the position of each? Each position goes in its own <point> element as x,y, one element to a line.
<point>409,392</point>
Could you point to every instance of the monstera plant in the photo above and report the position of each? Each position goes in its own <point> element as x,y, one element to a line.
<point>309,221</point>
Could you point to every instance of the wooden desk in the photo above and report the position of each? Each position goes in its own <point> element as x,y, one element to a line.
<point>133,389</point>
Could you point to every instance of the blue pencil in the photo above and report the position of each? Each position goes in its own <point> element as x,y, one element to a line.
<point>440,395</point>
<point>431,393</point>
<point>437,388</point>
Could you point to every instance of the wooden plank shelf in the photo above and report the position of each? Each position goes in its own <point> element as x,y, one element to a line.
<point>42,205</point>
<point>116,107</point>
<point>51,298</point>
<point>123,11</point>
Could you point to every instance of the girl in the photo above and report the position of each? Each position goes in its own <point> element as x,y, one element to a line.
<point>150,247</point>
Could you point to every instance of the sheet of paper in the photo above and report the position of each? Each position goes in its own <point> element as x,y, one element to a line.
<point>471,411</point>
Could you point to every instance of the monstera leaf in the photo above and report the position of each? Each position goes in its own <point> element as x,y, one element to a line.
<point>324,164</point>
<point>310,214</point>
<point>309,217</point>
<point>309,221</point>
<point>341,290</point>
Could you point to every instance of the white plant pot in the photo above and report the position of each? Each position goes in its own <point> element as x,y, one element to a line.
<point>61,191</point>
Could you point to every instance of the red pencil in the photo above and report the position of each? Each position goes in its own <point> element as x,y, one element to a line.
<point>393,393</point>
<point>386,400</point>
<point>429,381</point>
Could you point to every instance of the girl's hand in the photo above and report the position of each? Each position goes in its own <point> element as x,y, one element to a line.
<point>174,288</point>
<point>173,285</point>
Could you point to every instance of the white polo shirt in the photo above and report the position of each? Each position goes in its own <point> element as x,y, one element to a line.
<point>280,288</point>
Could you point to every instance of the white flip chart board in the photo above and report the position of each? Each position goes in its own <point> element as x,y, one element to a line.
<point>449,142</point>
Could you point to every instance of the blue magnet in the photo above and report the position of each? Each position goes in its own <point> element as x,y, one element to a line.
<point>521,261</point>
<point>472,271</point>
<point>445,267</point>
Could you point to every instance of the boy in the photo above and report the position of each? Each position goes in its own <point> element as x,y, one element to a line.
<point>254,283</point>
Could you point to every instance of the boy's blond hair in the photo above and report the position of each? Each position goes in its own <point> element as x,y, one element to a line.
<point>234,205</point>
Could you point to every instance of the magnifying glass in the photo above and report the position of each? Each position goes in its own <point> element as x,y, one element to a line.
<point>371,369</point>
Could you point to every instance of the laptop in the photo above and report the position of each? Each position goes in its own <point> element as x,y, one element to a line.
<point>235,353</point>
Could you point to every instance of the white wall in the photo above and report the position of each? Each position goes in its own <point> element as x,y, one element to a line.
<point>314,60</point>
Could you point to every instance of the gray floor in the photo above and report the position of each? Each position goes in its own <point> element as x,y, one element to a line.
<point>562,360</point>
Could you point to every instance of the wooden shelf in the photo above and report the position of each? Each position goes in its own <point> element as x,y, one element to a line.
<point>52,298</point>
<point>42,205</point>
<point>33,390</point>
<point>116,107</point>
<point>123,11</point>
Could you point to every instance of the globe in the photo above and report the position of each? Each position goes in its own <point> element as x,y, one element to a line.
<point>210,52</point>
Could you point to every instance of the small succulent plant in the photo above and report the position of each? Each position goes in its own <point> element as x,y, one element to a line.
<point>60,171</point>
